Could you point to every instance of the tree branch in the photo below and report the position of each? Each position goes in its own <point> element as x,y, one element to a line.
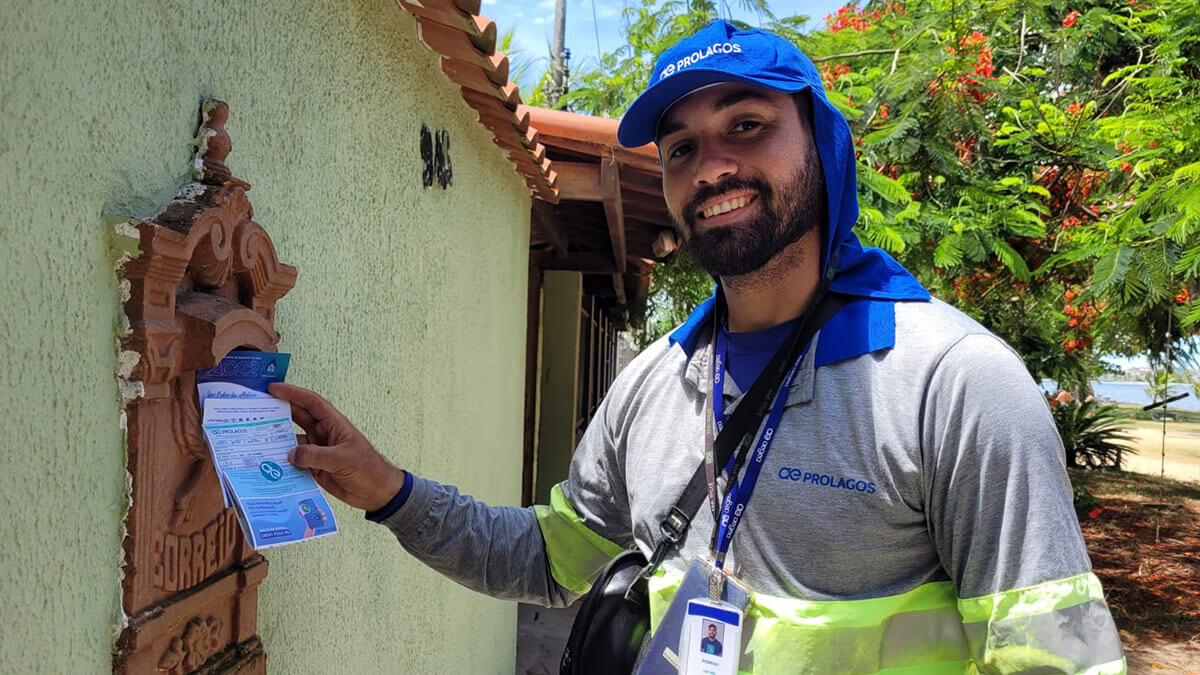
<point>850,55</point>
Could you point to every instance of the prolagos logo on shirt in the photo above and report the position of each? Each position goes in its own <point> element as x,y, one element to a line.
<point>698,56</point>
<point>825,480</point>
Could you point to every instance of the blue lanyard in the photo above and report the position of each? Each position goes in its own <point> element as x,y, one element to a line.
<point>737,494</point>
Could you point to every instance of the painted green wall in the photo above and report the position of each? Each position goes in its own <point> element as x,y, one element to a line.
<point>562,297</point>
<point>408,312</point>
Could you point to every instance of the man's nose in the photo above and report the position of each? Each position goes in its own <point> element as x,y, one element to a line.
<point>714,166</point>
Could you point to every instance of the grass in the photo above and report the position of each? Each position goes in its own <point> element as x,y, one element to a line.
<point>1145,548</point>
<point>1135,411</point>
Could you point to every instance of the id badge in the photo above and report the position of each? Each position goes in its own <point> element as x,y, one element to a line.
<point>663,656</point>
<point>712,638</point>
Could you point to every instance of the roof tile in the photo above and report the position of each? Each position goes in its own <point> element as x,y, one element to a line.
<point>466,42</point>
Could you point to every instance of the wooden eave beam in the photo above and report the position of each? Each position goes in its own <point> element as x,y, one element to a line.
<point>579,181</point>
<point>587,263</point>
<point>619,287</point>
<point>543,217</point>
<point>614,211</point>
<point>628,158</point>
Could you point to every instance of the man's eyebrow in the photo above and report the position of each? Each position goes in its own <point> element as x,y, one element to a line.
<point>735,97</point>
<point>731,99</point>
<point>667,128</point>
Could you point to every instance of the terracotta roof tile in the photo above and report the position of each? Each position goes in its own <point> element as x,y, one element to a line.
<point>466,42</point>
<point>453,43</point>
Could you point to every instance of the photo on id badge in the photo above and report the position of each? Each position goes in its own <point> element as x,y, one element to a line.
<point>711,638</point>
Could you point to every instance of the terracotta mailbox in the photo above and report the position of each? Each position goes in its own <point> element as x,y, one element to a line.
<point>204,281</point>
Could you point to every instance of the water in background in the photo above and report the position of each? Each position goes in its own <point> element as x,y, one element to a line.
<point>1132,392</point>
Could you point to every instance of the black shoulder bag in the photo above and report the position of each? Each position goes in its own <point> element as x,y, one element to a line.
<point>614,618</point>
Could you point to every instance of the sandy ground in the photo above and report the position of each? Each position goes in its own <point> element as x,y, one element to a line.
<point>1182,450</point>
<point>1163,657</point>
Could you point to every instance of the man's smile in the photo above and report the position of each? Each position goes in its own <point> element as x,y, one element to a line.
<point>725,204</point>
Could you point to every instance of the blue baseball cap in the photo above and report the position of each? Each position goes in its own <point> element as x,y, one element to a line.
<point>717,53</point>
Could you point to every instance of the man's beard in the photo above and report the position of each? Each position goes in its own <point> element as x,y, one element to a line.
<point>734,250</point>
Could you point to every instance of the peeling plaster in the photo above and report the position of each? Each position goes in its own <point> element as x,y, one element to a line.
<point>201,141</point>
<point>123,618</point>
<point>131,389</point>
<point>125,243</point>
<point>191,191</point>
<point>127,360</point>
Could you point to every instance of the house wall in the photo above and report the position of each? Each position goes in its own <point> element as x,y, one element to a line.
<point>562,294</point>
<point>408,313</point>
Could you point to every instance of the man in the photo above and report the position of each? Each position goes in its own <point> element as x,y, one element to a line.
<point>710,644</point>
<point>913,513</point>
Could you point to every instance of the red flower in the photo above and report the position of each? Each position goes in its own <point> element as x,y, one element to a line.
<point>1095,512</point>
<point>1153,144</point>
<point>883,111</point>
<point>1126,167</point>
<point>1070,19</point>
<point>1183,296</point>
<point>1074,108</point>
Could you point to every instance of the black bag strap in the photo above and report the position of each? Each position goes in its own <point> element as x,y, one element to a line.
<point>744,420</point>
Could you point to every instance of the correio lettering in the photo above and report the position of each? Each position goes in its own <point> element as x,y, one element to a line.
<point>184,560</point>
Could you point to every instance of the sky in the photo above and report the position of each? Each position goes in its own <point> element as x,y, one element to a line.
<point>600,21</point>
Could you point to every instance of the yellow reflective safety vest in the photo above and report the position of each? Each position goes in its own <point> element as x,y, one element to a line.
<point>913,514</point>
<point>1052,627</point>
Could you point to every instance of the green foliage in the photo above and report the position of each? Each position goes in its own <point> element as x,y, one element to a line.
<point>1092,434</point>
<point>679,286</point>
<point>1034,163</point>
<point>1084,500</point>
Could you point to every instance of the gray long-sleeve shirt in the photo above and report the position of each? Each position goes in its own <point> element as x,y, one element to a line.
<point>946,455</point>
<point>935,460</point>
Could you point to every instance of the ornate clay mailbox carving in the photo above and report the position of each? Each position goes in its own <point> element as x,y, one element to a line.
<point>205,282</point>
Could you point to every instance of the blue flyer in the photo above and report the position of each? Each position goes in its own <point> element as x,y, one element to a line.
<point>250,433</point>
<point>242,374</point>
<point>276,503</point>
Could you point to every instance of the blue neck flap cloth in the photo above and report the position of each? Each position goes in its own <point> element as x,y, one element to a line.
<point>720,52</point>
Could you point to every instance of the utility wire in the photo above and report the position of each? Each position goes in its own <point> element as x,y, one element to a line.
<point>596,30</point>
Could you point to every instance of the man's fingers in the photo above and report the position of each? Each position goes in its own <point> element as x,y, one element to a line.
<point>318,457</point>
<point>305,400</point>
<point>307,423</point>
<point>329,485</point>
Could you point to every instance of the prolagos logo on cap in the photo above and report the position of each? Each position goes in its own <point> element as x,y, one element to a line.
<point>719,52</point>
<point>698,56</point>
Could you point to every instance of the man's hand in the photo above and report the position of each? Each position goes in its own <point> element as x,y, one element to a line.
<point>341,459</point>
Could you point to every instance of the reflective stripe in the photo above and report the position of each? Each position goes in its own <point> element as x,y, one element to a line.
<point>1063,625</point>
<point>1038,599</point>
<point>915,632</point>
<point>1058,627</point>
<point>1111,668</point>
<point>575,552</point>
